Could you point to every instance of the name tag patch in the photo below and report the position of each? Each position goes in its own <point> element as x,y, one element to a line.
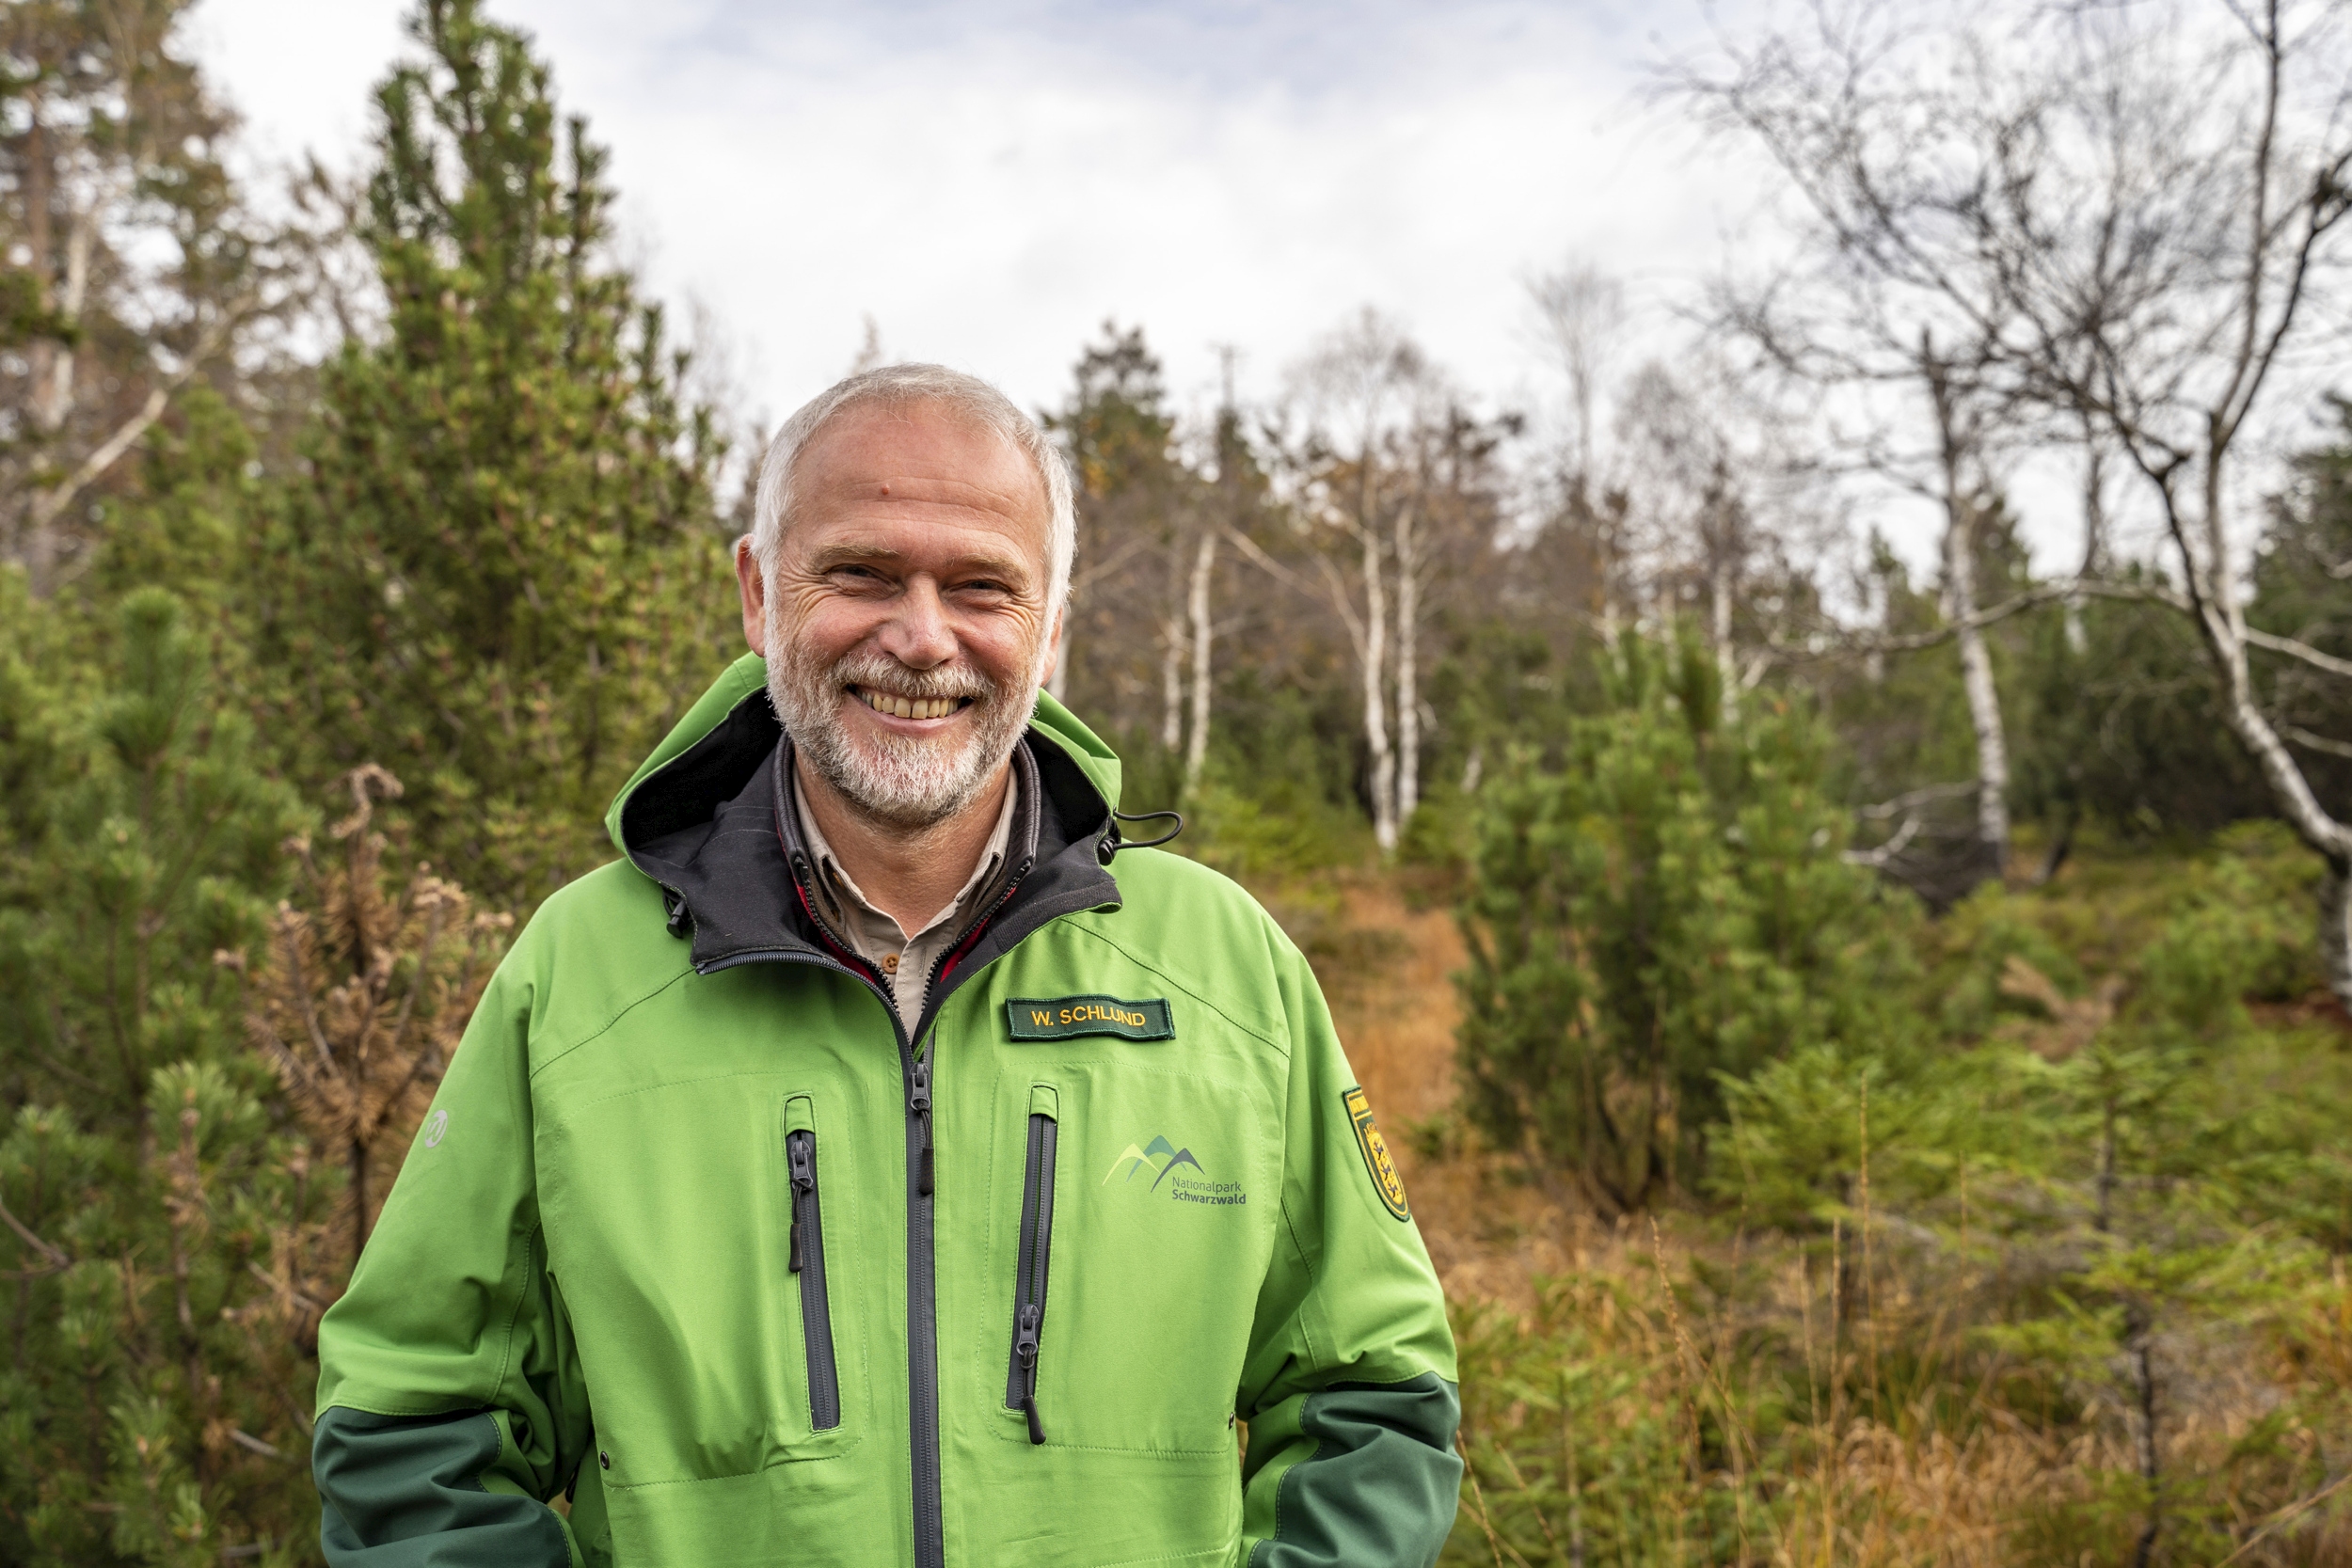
<point>1060,1017</point>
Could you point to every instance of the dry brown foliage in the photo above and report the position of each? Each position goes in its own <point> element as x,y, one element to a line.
<point>369,982</point>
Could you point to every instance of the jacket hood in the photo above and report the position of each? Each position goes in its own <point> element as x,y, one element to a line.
<point>724,704</point>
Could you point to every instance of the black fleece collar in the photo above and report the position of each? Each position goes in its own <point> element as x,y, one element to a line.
<point>713,827</point>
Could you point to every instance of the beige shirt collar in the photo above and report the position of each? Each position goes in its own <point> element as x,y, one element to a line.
<point>905,959</point>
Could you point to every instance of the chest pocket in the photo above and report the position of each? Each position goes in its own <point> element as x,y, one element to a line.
<point>1132,1220</point>
<point>695,1229</point>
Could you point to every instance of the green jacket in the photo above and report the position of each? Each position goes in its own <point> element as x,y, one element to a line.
<point>695,1236</point>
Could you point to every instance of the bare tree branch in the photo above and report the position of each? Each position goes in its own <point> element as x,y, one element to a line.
<point>2257,638</point>
<point>50,504</point>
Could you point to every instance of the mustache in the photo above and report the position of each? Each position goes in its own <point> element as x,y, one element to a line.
<point>880,672</point>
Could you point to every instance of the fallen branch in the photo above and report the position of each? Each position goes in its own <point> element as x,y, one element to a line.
<point>1905,803</point>
<point>1877,859</point>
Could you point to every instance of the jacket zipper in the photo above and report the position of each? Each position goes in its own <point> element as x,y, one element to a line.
<point>808,1261</point>
<point>1034,1266</point>
<point>931,1549</point>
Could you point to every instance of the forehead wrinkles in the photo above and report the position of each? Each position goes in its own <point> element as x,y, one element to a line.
<point>925,453</point>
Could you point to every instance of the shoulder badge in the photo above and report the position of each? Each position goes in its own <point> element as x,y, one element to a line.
<point>1385,1180</point>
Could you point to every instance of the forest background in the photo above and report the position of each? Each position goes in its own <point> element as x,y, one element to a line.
<point>1868,1046</point>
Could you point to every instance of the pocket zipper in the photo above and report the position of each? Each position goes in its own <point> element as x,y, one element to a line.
<point>1034,1267</point>
<point>808,1261</point>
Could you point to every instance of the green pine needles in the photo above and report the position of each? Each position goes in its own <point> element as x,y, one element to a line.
<point>1662,905</point>
<point>507,563</point>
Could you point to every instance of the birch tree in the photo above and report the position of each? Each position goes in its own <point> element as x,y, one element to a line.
<point>1398,482</point>
<point>1902,356</point>
<point>128,269</point>
<point>2138,216</point>
<point>1362,383</point>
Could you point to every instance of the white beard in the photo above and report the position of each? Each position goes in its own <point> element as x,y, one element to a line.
<point>900,781</point>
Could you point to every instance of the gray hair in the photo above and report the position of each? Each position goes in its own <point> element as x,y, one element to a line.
<point>898,386</point>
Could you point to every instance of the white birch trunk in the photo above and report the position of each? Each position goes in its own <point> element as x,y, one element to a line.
<point>1171,684</point>
<point>53,397</point>
<point>1976,670</point>
<point>1375,661</point>
<point>1960,594</point>
<point>1407,666</point>
<point>2221,617</point>
<point>1196,742</point>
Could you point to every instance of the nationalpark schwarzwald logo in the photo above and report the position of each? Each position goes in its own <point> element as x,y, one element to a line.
<point>1168,1163</point>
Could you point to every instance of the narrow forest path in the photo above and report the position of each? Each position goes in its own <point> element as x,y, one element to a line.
<point>1490,1231</point>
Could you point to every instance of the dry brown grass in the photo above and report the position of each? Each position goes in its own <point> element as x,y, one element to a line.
<point>1781,1424</point>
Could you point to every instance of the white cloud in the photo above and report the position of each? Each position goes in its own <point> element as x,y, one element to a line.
<point>990,182</point>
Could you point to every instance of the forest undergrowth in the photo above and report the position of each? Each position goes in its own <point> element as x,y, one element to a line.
<point>2080,1296</point>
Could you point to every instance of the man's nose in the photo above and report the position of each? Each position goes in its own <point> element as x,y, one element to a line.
<point>917,634</point>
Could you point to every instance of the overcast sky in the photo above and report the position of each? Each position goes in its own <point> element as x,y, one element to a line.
<point>990,181</point>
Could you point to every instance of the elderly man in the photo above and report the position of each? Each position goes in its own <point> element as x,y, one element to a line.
<point>878,1164</point>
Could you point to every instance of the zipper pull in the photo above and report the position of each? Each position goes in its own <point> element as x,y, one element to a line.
<point>1025,1341</point>
<point>799,1152</point>
<point>1027,1350</point>
<point>1024,1347</point>
<point>919,1104</point>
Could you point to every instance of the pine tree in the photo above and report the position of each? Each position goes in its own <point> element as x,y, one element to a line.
<point>151,1409</point>
<point>1667,910</point>
<point>505,576</point>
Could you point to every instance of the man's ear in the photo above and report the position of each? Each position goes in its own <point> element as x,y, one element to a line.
<point>1053,644</point>
<point>753,583</point>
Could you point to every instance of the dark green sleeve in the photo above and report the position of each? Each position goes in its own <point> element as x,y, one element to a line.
<point>416,1491</point>
<point>1367,1475</point>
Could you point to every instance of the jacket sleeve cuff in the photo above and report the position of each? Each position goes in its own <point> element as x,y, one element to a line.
<point>429,1492</point>
<point>1355,1475</point>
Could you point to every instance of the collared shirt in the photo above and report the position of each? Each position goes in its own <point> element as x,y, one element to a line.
<point>906,960</point>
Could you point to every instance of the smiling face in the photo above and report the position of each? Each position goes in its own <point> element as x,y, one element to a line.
<point>904,617</point>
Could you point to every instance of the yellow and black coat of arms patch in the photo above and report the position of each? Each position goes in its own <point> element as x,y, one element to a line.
<point>1385,1180</point>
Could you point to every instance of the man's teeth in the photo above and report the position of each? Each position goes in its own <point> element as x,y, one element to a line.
<point>907,708</point>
